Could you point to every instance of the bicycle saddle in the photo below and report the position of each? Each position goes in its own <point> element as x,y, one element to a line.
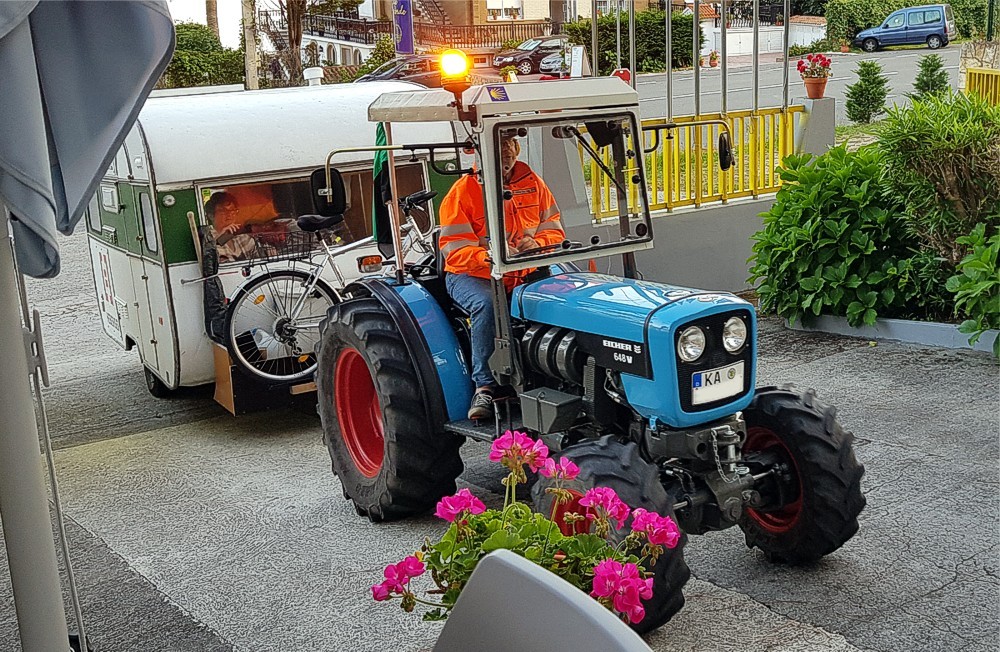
<point>417,198</point>
<point>314,223</point>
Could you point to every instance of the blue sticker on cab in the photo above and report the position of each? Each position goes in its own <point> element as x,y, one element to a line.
<point>497,93</point>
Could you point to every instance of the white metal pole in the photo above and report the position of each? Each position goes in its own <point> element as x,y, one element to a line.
<point>786,21</point>
<point>24,505</point>
<point>755,81</point>
<point>397,222</point>
<point>669,29</point>
<point>725,62</point>
<point>631,42</point>
<point>618,34</point>
<point>595,64</point>
<point>696,49</point>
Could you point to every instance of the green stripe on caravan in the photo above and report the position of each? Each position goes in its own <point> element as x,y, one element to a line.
<point>178,243</point>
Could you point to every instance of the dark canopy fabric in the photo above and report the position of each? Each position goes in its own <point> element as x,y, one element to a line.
<point>73,76</point>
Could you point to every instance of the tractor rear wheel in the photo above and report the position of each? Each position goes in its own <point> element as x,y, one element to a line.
<point>811,509</point>
<point>390,458</point>
<point>607,462</point>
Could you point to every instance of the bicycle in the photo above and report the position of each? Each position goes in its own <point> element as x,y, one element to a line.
<point>272,321</point>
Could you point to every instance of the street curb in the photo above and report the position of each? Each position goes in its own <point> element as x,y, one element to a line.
<point>928,333</point>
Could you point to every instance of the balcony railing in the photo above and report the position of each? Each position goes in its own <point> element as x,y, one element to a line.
<point>480,36</point>
<point>353,30</point>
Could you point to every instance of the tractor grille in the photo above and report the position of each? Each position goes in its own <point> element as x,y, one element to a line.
<point>715,356</point>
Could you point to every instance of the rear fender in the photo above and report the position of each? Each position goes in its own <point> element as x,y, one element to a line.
<point>445,382</point>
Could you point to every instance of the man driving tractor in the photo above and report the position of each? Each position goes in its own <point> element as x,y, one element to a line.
<point>531,220</point>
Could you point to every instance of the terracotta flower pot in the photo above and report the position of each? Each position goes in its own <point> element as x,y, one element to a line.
<point>815,87</point>
<point>845,48</point>
<point>714,63</point>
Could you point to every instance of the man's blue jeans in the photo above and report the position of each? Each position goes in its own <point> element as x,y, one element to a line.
<point>475,295</point>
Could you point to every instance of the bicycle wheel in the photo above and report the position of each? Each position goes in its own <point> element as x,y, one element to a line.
<point>264,339</point>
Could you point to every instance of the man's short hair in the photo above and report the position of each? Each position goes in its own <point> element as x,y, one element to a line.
<point>218,198</point>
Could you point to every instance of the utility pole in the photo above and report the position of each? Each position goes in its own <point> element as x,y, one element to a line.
<point>250,45</point>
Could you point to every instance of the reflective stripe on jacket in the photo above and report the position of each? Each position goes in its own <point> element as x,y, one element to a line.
<point>530,212</point>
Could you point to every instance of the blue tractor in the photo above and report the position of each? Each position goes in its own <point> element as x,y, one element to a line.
<point>649,388</point>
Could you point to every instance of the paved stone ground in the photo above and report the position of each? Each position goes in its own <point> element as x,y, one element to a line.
<point>196,531</point>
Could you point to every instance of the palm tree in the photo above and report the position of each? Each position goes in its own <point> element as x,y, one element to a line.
<point>212,16</point>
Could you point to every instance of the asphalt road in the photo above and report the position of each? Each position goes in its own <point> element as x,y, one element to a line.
<point>196,531</point>
<point>900,67</point>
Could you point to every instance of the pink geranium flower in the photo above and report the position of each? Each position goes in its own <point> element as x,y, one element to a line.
<point>513,449</point>
<point>622,585</point>
<point>564,469</point>
<point>451,507</point>
<point>397,577</point>
<point>659,530</point>
<point>603,502</point>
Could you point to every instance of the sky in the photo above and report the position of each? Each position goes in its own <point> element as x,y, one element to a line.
<point>193,11</point>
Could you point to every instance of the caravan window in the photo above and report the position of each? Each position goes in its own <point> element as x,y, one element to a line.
<point>148,223</point>
<point>94,214</point>
<point>242,214</point>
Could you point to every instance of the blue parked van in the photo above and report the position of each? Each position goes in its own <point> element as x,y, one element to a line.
<point>930,24</point>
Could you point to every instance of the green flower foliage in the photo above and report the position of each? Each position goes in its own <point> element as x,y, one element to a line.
<point>943,160</point>
<point>845,18</point>
<point>650,48</point>
<point>199,59</point>
<point>384,51</point>
<point>866,97</point>
<point>831,242</point>
<point>977,285</point>
<point>931,79</point>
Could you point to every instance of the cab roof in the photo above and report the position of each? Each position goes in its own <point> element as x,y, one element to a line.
<point>433,105</point>
<point>218,135</point>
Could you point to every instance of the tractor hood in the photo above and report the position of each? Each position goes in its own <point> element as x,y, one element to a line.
<point>612,306</point>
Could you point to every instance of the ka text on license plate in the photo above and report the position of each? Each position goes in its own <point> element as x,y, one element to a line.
<point>716,384</point>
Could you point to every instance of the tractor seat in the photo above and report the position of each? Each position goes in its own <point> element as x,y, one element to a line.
<point>313,223</point>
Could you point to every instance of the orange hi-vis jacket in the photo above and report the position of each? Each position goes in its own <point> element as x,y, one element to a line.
<point>531,211</point>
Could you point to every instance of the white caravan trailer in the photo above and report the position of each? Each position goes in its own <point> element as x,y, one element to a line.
<point>161,288</point>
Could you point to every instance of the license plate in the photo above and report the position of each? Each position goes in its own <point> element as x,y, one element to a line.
<point>716,384</point>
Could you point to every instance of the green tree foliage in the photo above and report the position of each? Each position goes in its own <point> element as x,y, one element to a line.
<point>931,79</point>
<point>650,48</point>
<point>970,17</point>
<point>943,158</point>
<point>866,97</point>
<point>331,7</point>
<point>199,59</point>
<point>809,7</point>
<point>845,18</point>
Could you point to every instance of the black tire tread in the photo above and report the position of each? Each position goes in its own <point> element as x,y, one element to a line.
<point>421,463</point>
<point>607,462</point>
<point>829,472</point>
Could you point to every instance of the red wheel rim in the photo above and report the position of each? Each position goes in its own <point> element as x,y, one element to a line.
<point>784,519</point>
<point>359,412</point>
<point>568,529</point>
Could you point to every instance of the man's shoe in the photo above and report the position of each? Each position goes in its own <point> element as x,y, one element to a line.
<point>482,405</point>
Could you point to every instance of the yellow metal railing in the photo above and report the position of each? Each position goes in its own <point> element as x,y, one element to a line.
<point>683,170</point>
<point>984,82</point>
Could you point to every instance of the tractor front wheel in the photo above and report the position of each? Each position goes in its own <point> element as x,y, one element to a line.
<point>607,462</point>
<point>810,503</point>
<point>384,448</point>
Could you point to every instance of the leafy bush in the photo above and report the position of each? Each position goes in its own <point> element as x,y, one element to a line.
<point>650,48</point>
<point>931,79</point>
<point>511,43</point>
<point>199,59</point>
<point>845,18</point>
<point>977,285</point>
<point>831,242</point>
<point>808,7</point>
<point>866,97</point>
<point>970,17</point>
<point>943,159</point>
<point>822,45</point>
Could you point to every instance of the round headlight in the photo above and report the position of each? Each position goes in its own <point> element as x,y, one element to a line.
<point>734,334</point>
<point>691,344</point>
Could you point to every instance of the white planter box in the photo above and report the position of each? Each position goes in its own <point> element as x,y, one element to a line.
<point>929,333</point>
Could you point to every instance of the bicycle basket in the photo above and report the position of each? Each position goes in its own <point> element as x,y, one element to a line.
<point>283,245</point>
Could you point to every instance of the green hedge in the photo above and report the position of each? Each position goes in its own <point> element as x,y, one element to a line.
<point>650,45</point>
<point>845,18</point>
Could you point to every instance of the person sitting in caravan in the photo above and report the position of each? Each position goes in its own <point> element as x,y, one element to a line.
<point>232,238</point>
